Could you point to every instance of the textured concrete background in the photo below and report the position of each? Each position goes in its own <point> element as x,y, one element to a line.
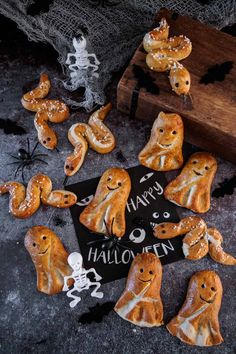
<point>31,322</point>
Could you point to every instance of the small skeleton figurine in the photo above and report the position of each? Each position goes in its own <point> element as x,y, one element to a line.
<point>81,56</point>
<point>82,282</point>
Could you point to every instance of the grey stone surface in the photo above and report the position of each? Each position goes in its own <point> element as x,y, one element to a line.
<point>31,322</point>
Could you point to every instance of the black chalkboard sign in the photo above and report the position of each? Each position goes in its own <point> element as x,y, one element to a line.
<point>146,207</point>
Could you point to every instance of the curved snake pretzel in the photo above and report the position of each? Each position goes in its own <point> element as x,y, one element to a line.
<point>95,134</point>
<point>54,111</point>
<point>198,241</point>
<point>24,202</point>
<point>165,53</point>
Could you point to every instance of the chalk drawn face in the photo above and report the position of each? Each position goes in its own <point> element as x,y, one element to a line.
<point>201,164</point>
<point>113,180</point>
<point>38,242</point>
<point>169,130</point>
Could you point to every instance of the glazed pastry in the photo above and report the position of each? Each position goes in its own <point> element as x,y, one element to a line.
<point>54,111</point>
<point>25,202</point>
<point>197,321</point>
<point>95,133</point>
<point>49,257</point>
<point>106,212</point>
<point>191,189</point>
<point>163,152</point>
<point>165,53</point>
<point>198,241</point>
<point>141,302</point>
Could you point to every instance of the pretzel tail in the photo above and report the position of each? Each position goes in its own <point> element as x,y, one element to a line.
<point>215,249</point>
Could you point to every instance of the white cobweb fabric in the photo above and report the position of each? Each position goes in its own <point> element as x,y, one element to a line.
<point>112,32</point>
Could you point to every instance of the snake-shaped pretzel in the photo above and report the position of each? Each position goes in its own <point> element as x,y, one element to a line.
<point>95,133</point>
<point>25,202</point>
<point>198,241</point>
<point>165,53</point>
<point>47,110</point>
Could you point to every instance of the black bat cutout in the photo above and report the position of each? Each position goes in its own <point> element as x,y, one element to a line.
<point>226,188</point>
<point>11,127</point>
<point>145,80</point>
<point>217,73</point>
<point>57,221</point>
<point>96,313</point>
<point>120,157</point>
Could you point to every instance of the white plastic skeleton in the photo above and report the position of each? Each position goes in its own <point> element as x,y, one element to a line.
<point>82,282</point>
<point>81,56</point>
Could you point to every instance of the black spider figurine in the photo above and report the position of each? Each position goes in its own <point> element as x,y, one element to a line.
<point>104,3</point>
<point>26,158</point>
<point>111,242</point>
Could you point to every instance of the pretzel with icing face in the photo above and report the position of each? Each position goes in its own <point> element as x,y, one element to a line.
<point>191,189</point>
<point>49,257</point>
<point>25,202</point>
<point>163,152</point>
<point>165,53</point>
<point>197,321</point>
<point>141,302</point>
<point>47,110</point>
<point>106,211</point>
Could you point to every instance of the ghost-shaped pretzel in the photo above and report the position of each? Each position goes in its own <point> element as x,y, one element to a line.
<point>49,257</point>
<point>191,188</point>
<point>163,152</point>
<point>197,321</point>
<point>141,302</point>
<point>106,212</point>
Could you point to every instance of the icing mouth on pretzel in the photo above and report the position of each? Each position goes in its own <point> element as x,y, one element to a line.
<point>145,281</point>
<point>208,301</point>
<point>197,173</point>
<point>42,253</point>
<point>112,189</point>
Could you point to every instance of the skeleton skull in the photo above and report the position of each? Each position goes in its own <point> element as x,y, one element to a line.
<point>75,260</point>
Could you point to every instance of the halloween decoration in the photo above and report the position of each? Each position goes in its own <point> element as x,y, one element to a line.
<point>217,73</point>
<point>198,241</point>
<point>81,280</point>
<point>197,321</point>
<point>95,133</point>
<point>47,110</point>
<point>191,189</point>
<point>140,302</point>
<point>163,152</point>
<point>24,202</point>
<point>225,188</point>
<point>49,257</point>
<point>106,211</point>
<point>97,312</point>
<point>165,53</point>
<point>26,158</point>
<point>11,127</point>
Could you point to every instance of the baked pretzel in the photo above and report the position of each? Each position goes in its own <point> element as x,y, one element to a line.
<point>198,241</point>
<point>165,53</point>
<point>197,322</point>
<point>163,152</point>
<point>106,212</point>
<point>191,189</point>
<point>25,202</point>
<point>141,302</point>
<point>95,133</point>
<point>49,257</point>
<point>47,110</point>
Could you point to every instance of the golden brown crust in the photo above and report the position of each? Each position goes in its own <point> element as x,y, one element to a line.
<point>47,110</point>
<point>25,202</point>
<point>191,188</point>
<point>108,204</point>
<point>163,152</point>
<point>215,249</point>
<point>49,257</point>
<point>141,302</point>
<point>197,321</point>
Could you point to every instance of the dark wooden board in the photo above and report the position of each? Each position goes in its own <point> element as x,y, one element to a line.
<point>210,122</point>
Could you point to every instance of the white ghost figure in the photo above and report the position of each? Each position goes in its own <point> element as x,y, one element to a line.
<point>81,281</point>
<point>81,56</point>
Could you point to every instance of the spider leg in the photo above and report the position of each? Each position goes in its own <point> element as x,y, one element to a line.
<point>35,147</point>
<point>18,168</point>
<point>15,157</point>
<point>28,145</point>
<point>57,149</point>
<point>65,180</point>
<point>22,172</point>
<point>97,241</point>
<point>13,163</point>
<point>41,161</point>
<point>108,232</point>
<point>39,155</point>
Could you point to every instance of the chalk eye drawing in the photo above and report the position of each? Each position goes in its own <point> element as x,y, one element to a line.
<point>155,215</point>
<point>146,177</point>
<point>85,201</point>
<point>166,215</point>
<point>137,235</point>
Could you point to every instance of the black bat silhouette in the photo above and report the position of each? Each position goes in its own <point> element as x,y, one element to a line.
<point>11,127</point>
<point>96,313</point>
<point>217,73</point>
<point>57,221</point>
<point>120,156</point>
<point>226,188</point>
<point>145,80</point>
